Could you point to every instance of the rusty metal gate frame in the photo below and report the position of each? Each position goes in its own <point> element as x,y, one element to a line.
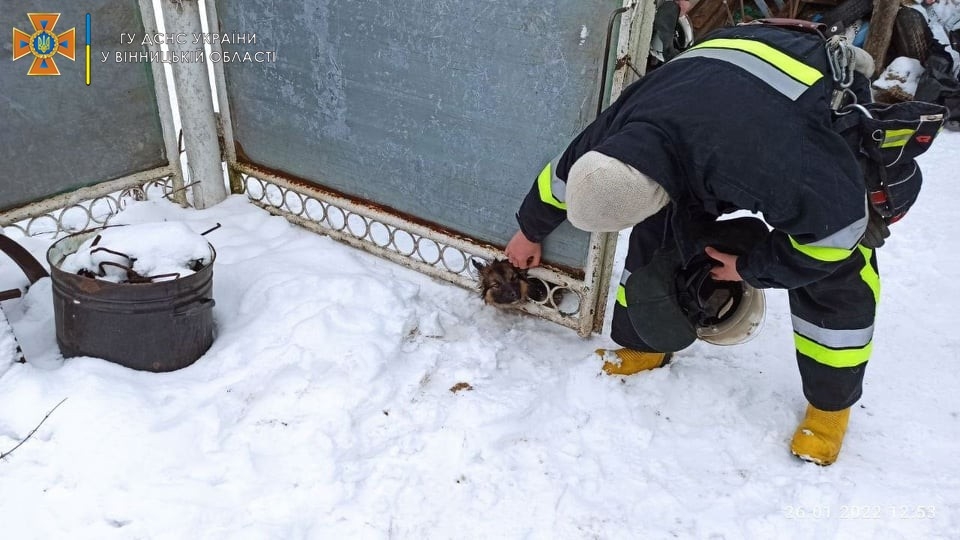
<point>431,250</point>
<point>92,206</point>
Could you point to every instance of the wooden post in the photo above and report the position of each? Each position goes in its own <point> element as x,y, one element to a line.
<point>881,28</point>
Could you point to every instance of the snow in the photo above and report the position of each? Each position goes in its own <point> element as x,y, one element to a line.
<point>149,249</point>
<point>942,17</point>
<point>8,346</point>
<point>902,74</point>
<point>348,397</point>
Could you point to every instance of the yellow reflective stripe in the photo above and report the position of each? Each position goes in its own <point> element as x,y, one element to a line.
<point>782,61</point>
<point>838,358</point>
<point>869,275</point>
<point>821,253</point>
<point>544,186</point>
<point>622,295</point>
<point>853,356</point>
<point>896,137</point>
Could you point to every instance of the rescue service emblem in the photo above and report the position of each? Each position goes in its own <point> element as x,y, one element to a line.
<point>44,44</point>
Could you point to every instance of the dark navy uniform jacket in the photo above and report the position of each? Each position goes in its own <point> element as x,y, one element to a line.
<point>739,121</point>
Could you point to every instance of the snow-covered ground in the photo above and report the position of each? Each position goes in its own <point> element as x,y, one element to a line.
<point>325,410</point>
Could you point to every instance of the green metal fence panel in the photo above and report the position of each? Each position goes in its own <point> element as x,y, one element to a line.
<point>441,110</point>
<point>57,133</point>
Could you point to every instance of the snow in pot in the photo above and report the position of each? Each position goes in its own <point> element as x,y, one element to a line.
<point>137,295</point>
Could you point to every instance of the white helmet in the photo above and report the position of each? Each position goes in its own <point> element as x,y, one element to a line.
<point>722,312</point>
<point>738,320</point>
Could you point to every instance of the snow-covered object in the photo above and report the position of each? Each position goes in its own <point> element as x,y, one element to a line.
<point>900,77</point>
<point>943,16</point>
<point>153,249</point>
<point>947,12</point>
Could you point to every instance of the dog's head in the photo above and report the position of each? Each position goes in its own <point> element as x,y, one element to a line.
<point>502,283</point>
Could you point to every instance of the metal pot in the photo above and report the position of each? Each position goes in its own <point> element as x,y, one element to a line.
<point>156,326</point>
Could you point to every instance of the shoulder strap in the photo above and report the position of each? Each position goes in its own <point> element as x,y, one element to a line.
<point>801,25</point>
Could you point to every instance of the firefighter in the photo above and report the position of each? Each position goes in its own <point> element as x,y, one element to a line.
<point>741,121</point>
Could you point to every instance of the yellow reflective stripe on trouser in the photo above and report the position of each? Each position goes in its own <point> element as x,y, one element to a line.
<point>779,70</point>
<point>896,137</point>
<point>622,288</point>
<point>839,348</point>
<point>832,357</point>
<point>552,190</point>
<point>869,275</point>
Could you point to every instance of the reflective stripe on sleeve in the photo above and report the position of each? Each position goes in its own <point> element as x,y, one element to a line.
<point>553,191</point>
<point>622,295</point>
<point>839,245</point>
<point>896,137</point>
<point>825,254</point>
<point>622,288</point>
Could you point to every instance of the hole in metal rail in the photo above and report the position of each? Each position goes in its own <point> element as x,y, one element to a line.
<point>380,234</point>
<point>404,242</point>
<point>74,218</point>
<point>428,250</point>
<point>254,188</point>
<point>102,208</point>
<point>566,300</point>
<point>453,259</point>
<point>45,224</point>
<point>274,195</point>
<point>127,196</point>
<point>156,188</point>
<point>336,220</point>
<point>357,225</point>
<point>314,210</point>
<point>293,202</point>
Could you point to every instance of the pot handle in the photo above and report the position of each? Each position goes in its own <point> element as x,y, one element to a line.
<point>29,265</point>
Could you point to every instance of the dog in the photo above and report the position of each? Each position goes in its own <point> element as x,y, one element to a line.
<point>503,284</point>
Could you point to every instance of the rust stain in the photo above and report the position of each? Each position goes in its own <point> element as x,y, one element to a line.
<point>245,160</point>
<point>89,285</point>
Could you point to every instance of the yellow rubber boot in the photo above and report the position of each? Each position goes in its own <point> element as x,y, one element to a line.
<point>629,361</point>
<point>820,435</point>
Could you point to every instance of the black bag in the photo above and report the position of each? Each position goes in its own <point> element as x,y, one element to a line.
<point>886,138</point>
<point>938,85</point>
<point>891,136</point>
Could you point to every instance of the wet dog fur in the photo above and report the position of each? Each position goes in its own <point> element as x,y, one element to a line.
<point>503,284</point>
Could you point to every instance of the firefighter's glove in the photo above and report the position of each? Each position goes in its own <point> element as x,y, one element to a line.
<point>877,231</point>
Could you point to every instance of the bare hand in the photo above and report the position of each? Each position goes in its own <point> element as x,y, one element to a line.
<point>523,253</point>
<point>727,269</point>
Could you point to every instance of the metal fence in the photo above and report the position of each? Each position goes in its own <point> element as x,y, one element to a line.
<point>414,129</point>
<point>409,129</point>
<point>73,130</point>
